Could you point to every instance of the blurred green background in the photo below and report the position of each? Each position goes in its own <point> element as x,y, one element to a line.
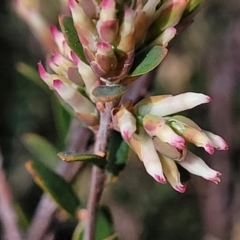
<point>204,58</point>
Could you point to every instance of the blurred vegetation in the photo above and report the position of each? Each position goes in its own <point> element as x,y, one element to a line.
<point>158,211</point>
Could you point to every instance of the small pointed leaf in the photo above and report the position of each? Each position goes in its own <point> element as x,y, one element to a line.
<point>41,149</point>
<point>60,190</point>
<point>106,93</point>
<point>87,158</point>
<point>146,60</point>
<point>71,36</point>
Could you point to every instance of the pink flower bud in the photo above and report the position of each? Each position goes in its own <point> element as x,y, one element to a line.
<point>89,78</point>
<point>126,123</point>
<point>126,32</point>
<point>58,38</point>
<point>108,11</point>
<point>166,134</point>
<point>152,124</point>
<point>170,13</point>
<point>84,25</point>
<point>107,30</point>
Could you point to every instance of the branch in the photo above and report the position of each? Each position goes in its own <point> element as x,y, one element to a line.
<point>8,216</point>
<point>98,175</point>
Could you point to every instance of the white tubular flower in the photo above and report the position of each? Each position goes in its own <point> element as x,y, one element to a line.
<point>172,174</point>
<point>143,145</point>
<point>193,135</point>
<point>218,142</point>
<point>167,104</point>
<point>126,123</point>
<point>197,166</point>
<point>83,107</point>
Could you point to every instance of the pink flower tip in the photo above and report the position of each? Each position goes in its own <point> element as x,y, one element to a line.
<point>209,99</point>
<point>72,3</point>
<point>180,188</point>
<point>126,135</point>
<point>41,70</point>
<point>104,46</point>
<point>159,179</point>
<point>107,4</point>
<point>179,144</point>
<point>53,29</point>
<point>224,147</point>
<point>209,148</point>
<point>74,57</point>
<point>57,84</point>
<point>173,30</point>
<point>216,179</point>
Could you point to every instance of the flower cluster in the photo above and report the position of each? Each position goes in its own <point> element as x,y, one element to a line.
<point>99,46</point>
<point>160,140</point>
<point>109,37</point>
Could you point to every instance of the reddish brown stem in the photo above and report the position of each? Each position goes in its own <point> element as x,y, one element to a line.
<point>98,175</point>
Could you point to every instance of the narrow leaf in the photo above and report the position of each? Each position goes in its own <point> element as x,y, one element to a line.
<point>31,74</point>
<point>60,190</point>
<point>61,119</point>
<point>122,153</point>
<point>118,154</point>
<point>71,36</point>
<point>41,149</point>
<point>87,158</point>
<point>147,59</point>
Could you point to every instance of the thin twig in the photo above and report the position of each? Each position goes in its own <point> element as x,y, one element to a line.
<point>98,175</point>
<point>8,216</point>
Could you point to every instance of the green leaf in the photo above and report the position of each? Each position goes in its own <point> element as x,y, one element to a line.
<point>41,149</point>
<point>104,229</point>
<point>60,190</point>
<point>107,93</point>
<point>122,153</point>
<point>118,154</point>
<point>71,36</point>
<point>31,74</point>
<point>146,60</point>
<point>87,158</point>
<point>61,119</point>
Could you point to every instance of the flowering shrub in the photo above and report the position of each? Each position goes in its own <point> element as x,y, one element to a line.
<point>102,48</point>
